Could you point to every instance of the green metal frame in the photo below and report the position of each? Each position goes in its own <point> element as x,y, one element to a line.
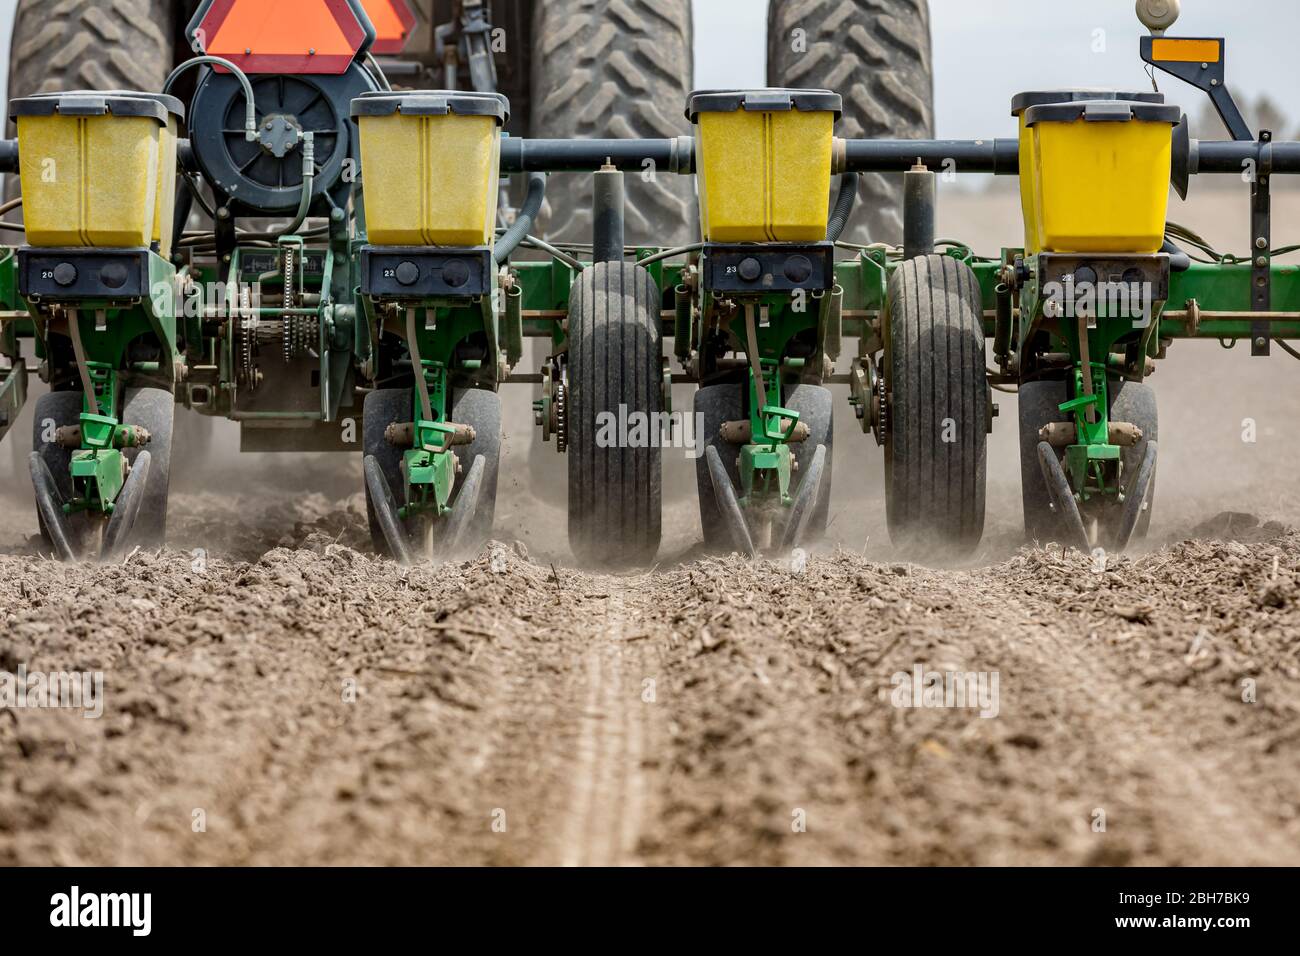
<point>1207,301</point>
<point>430,465</point>
<point>13,379</point>
<point>441,326</point>
<point>107,330</point>
<point>1220,291</point>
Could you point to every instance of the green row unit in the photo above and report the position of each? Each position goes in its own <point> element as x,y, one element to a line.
<point>1208,301</point>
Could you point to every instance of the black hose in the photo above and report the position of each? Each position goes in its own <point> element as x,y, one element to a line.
<point>1179,261</point>
<point>8,155</point>
<point>848,194</point>
<point>523,223</point>
<point>181,213</point>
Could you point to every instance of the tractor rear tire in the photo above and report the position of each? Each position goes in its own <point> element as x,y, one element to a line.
<point>938,416</point>
<point>89,44</point>
<point>876,55</point>
<point>615,369</point>
<point>619,68</point>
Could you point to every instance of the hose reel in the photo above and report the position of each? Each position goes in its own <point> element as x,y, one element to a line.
<point>264,177</point>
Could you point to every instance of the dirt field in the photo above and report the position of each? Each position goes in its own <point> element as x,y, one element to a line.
<point>285,697</point>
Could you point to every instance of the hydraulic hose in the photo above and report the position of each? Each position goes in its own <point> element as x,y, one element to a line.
<point>377,72</point>
<point>670,253</point>
<point>8,155</point>
<point>250,112</point>
<point>79,353</point>
<point>417,366</point>
<point>844,201</point>
<point>184,204</point>
<point>523,223</point>
<point>532,242</point>
<point>1179,261</point>
<point>308,180</point>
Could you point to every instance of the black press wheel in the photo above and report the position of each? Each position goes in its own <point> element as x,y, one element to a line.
<point>153,409</point>
<point>1135,402</point>
<point>1039,405</point>
<point>53,411</point>
<point>482,410</point>
<point>1107,524</point>
<point>815,406</point>
<point>718,404</point>
<point>383,407</point>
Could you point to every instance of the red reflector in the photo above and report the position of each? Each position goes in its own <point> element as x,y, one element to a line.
<point>393,22</point>
<point>287,36</point>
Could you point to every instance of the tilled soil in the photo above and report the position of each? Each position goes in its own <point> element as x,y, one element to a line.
<point>318,705</point>
<point>273,693</point>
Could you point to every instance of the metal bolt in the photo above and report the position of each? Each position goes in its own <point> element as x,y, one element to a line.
<point>1261,243</point>
<point>1260,342</point>
<point>1262,261</point>
<point>312,52</point>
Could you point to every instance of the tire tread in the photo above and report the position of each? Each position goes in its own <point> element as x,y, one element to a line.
<point>622,69</point>
<point>876,55</point>
<point>936,489</point>
<point>614,359</point>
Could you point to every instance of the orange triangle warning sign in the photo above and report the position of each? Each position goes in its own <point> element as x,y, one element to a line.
<point>287,36</point>
<point>393,21</point>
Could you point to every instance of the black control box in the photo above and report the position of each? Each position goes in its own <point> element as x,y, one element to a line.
<point>779,267</point>
<point>66,275</point>
<point>425,272</point>
<point>1101,267</point>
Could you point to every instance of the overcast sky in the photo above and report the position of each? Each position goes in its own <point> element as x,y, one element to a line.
<point>987,50</point>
